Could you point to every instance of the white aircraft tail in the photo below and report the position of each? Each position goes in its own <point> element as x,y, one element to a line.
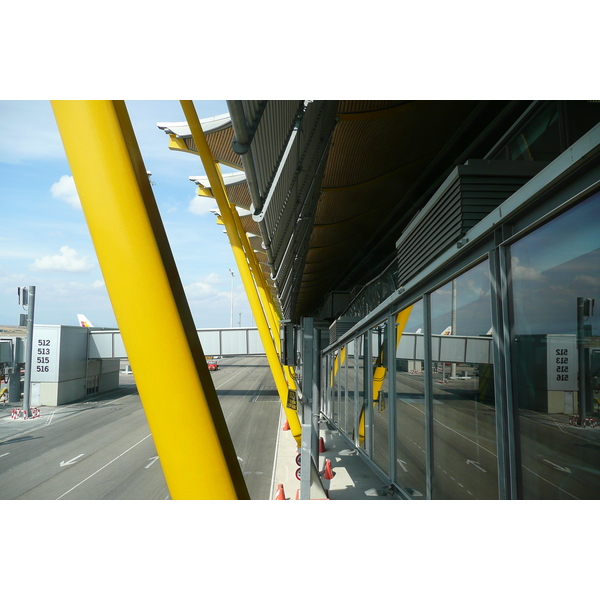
<point>83,321</point>
<point>447,331</point>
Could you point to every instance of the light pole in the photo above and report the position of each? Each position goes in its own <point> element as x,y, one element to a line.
<point>231,320</point>
<point>28,299</point>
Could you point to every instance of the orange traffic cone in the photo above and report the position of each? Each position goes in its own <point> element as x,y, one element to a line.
<point>280,493</point>
<point>321,445</point>
<point>286,426</point>
<point>328,475</point>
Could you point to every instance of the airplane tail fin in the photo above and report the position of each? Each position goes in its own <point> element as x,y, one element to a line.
<point>83,321</point>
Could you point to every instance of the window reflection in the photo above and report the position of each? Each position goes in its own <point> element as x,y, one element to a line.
<point>342,388</point>
<point>350,403</point>
<point>359,435</point>
<point>465,454</point>
<point>550,269</point>
<point>334,382</point>
<point>380,397</point>
<point>410,467</point>
<point>539,139</point>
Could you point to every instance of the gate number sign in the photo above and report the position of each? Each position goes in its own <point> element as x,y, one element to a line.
<point>562,362</point>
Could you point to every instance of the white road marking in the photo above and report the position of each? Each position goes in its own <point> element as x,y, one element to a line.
<point>402,463</point>
<point>5,454</point>
<point>476,464</point>
<point>564,469</point>
<point>152,461</point>
<point>226,381</point>
<point>66,463</point>
<point>494,455</point>
<point>68,416</point>
<point>552,484</point>
<point>106,465</point>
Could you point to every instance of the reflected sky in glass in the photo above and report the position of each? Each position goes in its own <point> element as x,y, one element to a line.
<point>554,265</point>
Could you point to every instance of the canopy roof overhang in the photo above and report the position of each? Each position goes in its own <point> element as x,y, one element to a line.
<point>331,185</point>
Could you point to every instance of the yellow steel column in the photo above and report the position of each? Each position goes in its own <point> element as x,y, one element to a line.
<point>381,371</point>
<point>264,294</point>
<point>218,188</point>
<point>186,421</point>
<point>258,275</point>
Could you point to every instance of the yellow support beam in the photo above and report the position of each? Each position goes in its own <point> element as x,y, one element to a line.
<point>268,307</point>
<point>187,424</point>
<point>380,372</point>
<point>230,219</point>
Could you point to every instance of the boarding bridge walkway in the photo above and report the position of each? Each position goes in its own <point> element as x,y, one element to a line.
<point>238,341</point>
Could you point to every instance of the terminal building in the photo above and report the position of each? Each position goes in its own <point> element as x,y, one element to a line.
<point>423,276</point>
<point>70,363</point>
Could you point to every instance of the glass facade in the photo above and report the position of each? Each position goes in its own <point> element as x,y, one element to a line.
<point>464,422</point>
<point>495,359</point>
<point>551,268</point>
<point>350,390</point>
<point>380,397</point>
<point>341,378</point>
<point>362,405</point>
<point>410,464</point>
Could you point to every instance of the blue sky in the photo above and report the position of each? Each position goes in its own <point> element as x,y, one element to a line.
<point>44,239</point>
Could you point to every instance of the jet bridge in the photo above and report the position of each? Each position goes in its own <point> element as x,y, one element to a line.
<point>238,341</point>
<point>12,358</point>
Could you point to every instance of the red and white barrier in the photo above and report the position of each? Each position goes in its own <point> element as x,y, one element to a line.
<point>587,422</point>
<point>19,412</point>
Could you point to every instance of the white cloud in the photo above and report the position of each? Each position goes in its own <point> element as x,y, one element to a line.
<point>527,273</point>
<point>587,280</point>
<point>201,205</point>
<point>68,260</point>
<point>64,189</point>
<point>205,288</point>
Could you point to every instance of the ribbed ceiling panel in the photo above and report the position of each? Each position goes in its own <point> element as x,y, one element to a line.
<point>239,194</point>
<point>220,145</point>
<point>354,107</point>
<point>269,142</point>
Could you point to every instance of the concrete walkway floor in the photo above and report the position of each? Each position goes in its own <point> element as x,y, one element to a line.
<point>353,479</point>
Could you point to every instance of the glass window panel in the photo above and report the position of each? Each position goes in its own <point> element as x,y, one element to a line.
<point>550,268</point>
<point>342,388</point>
<point>410,467</point>
<point>538,139</point>
<point>464,419</point>
<point>362,382</point>
<point>334,382</point>
<point>350,400</point>
<point>380,397</point>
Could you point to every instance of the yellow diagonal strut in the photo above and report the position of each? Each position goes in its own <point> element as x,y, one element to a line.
<point>249,273</point>
<point>381,370</point>
<point>189,431</point>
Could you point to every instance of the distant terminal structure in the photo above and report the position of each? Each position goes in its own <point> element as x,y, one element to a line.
<point>71,362</point>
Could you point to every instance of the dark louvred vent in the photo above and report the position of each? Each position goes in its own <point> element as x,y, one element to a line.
<point>470,193</point>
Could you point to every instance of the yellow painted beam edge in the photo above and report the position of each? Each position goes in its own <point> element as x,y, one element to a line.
<point>187,425</point>
<point>381,372</point>
<point>228,216</point>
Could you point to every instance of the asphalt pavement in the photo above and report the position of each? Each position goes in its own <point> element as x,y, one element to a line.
<point>101,447</point>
